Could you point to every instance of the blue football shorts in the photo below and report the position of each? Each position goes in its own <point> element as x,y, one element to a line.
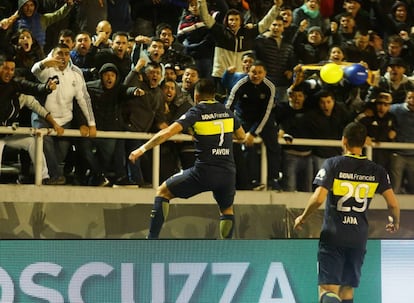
<point>195,180</point>
<point>340,265</point>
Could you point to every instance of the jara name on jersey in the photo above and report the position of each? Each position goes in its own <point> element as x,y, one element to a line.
<point>350,220</point>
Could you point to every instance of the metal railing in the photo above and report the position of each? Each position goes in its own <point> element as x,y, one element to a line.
<point>39,133</point>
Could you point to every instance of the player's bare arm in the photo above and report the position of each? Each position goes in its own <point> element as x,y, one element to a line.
<point>315,201</point>
<point>159,138</point>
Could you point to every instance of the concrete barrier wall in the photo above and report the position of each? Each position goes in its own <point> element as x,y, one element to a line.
<point>70,212</point>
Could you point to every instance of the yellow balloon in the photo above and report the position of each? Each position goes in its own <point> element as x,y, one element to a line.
<point>331,73</point>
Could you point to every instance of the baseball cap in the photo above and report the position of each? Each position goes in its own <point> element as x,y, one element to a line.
<point>397,61</point>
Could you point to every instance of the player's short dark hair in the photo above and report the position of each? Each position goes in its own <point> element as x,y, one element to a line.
<point>356,134</point>
<point>206,88</point>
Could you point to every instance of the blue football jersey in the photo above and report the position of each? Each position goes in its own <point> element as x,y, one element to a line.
<point>212,126</point>
<point>352,182</point>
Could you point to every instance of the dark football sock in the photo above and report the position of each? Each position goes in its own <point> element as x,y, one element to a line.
<point>159,214</point>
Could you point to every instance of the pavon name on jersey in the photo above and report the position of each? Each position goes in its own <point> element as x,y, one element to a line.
<point>221,151</point>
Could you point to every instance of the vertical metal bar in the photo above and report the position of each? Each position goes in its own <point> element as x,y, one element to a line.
<point>155,166</point>
<point>39,157</point>
<point>368,150</point>
<point>263,165</point>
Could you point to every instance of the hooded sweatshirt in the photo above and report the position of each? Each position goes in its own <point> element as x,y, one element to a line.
<point>106,103</point>
<point>37,23</point>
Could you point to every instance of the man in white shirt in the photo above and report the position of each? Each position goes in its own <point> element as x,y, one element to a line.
<point>71,85</point>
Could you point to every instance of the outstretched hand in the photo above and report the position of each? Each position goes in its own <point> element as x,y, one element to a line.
<point>298,223</point>
<point>135,154</point>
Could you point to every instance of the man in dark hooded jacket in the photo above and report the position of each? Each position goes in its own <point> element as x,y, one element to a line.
<point>106,94</point>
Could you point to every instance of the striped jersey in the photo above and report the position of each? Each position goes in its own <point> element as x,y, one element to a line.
<point>212,126</point>
<point>352,182</point>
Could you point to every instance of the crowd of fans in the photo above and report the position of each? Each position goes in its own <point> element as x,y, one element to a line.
<point>119,65</point>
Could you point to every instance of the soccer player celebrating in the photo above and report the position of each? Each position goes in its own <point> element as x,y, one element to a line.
<point>348,183</point>
<point>213,127</point>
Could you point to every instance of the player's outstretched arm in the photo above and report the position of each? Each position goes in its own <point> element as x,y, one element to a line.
<point>315,201</point>
<point>394,210</point>
<point>159,138</point>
